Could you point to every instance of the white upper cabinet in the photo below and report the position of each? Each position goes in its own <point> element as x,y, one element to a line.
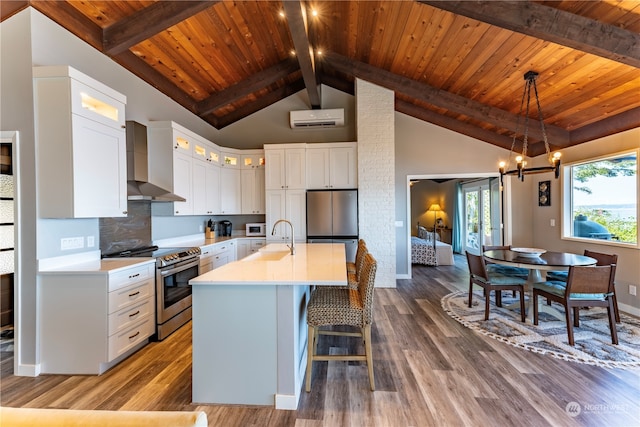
<point>170,151</point>
<point>80,134</point>
<point>252,191</point>
<point>332,166</point>
<point>290,205</point>
<point>230,191</point>
<point>285,166</point>
<point>230,158</point>
<point>252,181</point>
<point>206,178</point>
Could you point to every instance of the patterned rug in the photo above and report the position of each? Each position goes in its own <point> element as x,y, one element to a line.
<point>592,338</point>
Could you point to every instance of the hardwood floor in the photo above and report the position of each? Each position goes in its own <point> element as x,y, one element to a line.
<point>430,371</point>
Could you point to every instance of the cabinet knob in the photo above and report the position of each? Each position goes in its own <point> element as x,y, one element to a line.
<point>125,212</point>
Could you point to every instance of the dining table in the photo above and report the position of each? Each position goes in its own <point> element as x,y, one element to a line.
<point>536,261</point>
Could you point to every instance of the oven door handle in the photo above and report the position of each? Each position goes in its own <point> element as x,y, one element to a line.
<point>181,266</point>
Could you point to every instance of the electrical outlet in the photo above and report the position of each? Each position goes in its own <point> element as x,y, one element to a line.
<point>201,228</point>
<point>632,290</point>
<point>91,241</point>
<point>67,243</point>
<point>552,222</point>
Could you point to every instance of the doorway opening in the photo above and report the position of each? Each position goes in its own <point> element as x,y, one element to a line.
<point>472,209</point>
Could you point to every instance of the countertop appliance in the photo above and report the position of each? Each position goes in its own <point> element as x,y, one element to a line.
<point>224,228</point>
<point>255,229</point>
<point>332,217</point>
<point>174,268</point>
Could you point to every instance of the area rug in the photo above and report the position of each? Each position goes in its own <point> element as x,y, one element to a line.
<point>592,338</point>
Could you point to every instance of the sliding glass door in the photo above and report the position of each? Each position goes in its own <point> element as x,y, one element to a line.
<point>481,215</point>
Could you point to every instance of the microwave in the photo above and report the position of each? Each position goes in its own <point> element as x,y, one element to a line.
<point>256,229</point>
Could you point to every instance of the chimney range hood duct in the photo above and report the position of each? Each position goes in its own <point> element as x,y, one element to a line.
<point>138,187</point>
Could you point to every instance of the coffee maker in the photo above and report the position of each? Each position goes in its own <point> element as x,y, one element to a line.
<point>224,228</point>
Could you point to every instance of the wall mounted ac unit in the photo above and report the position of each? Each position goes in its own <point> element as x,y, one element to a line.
<point>304,119</point>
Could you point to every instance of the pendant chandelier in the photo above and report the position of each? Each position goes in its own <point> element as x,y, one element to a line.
<point>554,160</point>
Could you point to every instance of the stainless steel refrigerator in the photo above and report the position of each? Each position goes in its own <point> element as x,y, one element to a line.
<point>332,217</point>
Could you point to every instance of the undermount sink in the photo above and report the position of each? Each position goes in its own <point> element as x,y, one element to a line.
<point>268,256</point>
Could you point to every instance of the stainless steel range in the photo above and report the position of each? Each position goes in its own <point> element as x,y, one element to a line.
<point>174,268</point>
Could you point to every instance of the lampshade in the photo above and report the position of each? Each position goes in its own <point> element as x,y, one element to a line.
<point>434,208</point>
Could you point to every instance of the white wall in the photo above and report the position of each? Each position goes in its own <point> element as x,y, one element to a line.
<point>271,124</point>
<point>628,269</point>
<point>16,113</point>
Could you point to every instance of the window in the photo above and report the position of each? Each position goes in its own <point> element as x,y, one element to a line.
<point>603,199</point>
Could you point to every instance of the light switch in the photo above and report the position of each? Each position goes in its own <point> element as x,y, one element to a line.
<point>552,222</point>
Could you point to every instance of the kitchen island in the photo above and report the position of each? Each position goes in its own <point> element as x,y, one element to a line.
<point>249,324</point>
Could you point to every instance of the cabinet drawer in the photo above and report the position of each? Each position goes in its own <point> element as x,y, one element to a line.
<point>123,341</point>
<point>129,296</point>
<point>131,276</point>
<point>127,317</point>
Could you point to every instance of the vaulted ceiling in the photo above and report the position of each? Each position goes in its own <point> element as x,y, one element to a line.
<point>457,64</point>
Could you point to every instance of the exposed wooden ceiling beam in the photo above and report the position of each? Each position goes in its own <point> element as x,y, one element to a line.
<point>140,68</point>
<point>296,17</point>
<point>343,85</point>
<point>148,22</point>
<point>8,8</point>
<point>440,98</point>
<point>605,127</point>
<point>246,87</point>
<point>260,103</point>
<point>554,25</point>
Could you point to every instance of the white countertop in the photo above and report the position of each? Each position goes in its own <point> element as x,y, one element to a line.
<point>98,266</point>
<point>317,264</point>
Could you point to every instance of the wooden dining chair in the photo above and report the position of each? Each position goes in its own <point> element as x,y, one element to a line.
<point>586,286</point>
<point>601,259</point>
<point>339,306</point>
<point>479,275</point>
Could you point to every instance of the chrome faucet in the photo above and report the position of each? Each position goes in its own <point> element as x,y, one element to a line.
<point>292,247</point>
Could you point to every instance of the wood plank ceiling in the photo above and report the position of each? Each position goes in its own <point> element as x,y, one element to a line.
<point>457,64</point>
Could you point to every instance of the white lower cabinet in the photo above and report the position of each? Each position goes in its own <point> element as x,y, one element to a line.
<point>217,254</point>
<point>91,320</point>
<point>206,258</point>
<point>247,246</point>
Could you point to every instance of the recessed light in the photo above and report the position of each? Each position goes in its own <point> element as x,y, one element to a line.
<point>314,12</point>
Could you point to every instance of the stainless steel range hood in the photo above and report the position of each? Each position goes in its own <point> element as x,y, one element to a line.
<point>138,185</point>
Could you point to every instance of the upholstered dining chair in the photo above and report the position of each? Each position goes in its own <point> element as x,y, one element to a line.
<point>507,270</point>
<point>478,275</point>
<point>601,259</point>
<point>586,286</point>
<point>340,306</point>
